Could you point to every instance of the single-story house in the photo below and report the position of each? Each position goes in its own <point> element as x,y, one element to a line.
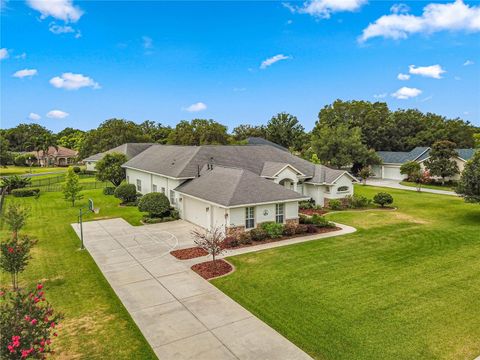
<point>129,149</point>
<point>55,156</point>
<point>393,160</point>
<point>235,188</point>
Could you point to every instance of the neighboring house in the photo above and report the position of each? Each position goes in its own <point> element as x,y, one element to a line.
<point>235,187</point>
<point>393,160</point>
<point>56,156</point>
<point>129,149</point>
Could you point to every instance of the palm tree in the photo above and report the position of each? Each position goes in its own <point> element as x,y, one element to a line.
<point>43,143</point>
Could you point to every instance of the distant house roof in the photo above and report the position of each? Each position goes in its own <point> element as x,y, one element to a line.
<point>234,187</point>
<point>261,141</point>
<point>129,149</point>
<point>418,154</point>
<point>60,151</point>
<point>325,175</point>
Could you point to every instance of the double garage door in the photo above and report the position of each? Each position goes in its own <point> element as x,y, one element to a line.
<point>391,172</point>
<point>196,212</point>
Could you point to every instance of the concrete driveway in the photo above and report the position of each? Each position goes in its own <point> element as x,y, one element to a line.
<point>181,315</point>
<point>395,184</point>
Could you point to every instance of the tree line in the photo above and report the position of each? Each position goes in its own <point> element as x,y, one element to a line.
<point>345,133</point>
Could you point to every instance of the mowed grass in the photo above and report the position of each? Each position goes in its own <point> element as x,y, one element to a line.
<point>406,285</point>
<point>96,325</point>
<point>21,170</point>
<point>428,186</point>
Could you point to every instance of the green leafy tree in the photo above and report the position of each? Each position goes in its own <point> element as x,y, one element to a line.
<point>441,160</point>
<point>72,188</point>
<point>126,192</point>
<point>314,159</point>
<point>284,129</point>
<point>339,146</point>
<point>28,324</point>
<point>44,143</point>
<point>476,138</point>
<point>16,217</point>
<point>156,131</point>
<point>469,185</point>
<point>20,137</point>
<point>365,173</point>
<point>109,168</point>
<point>199,132</point>
<point>156,204</point>
<point>15,254</point>
<point>6,157</point>
<point>410,168</point>
<point>15,182</point>
<point>71,138</point>
<point>244,131</point>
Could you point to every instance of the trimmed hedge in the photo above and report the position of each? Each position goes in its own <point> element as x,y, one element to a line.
<point>156,204</point>
<point>25,192</point>
<point>126,192</point>
<point>109,190</point>
<point>273,229</point>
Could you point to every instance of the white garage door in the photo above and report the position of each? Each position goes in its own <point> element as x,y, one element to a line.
<point>390,172</point>
<point>195,212</point>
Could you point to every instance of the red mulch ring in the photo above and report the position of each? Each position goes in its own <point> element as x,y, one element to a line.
<point>207,270</point>
<point>190,253</point>
<point>312,211</point>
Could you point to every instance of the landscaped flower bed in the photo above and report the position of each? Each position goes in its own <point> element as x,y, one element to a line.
<point>310,212</point>
<point>189,253</point>
<point>209,269</point>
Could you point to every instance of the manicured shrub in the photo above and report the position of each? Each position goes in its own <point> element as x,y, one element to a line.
<point>25,192</point>
<point>24,159</point>
<point>109,190</point>
<point>289,229</point>
<point>156,220</point>
<point>15,182</point>
<point>126,192</point>
<point>258,234</point>
<point>320,221</point>
<point>231,242</point>
<point>273,229</point>
<point>309,204</point>
<point>76,169</point>
<point>335,204</point>
<point>156,204</point>
<point>245,238</point>
<point>301,229</point>
<point>357,201</point>
<point>311,229</point>
<point>382,199</point>
<point>304,219</point>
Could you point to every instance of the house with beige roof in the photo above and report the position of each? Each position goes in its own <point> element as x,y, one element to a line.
<point>56,156</point>
<point>234,187</point>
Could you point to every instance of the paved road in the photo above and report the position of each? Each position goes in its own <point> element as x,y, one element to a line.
<point>181,315</point>
<point>395,184</point>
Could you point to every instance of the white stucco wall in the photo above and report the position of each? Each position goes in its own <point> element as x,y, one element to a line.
<point>291,210</point>
<point>287,173</point>
<point>344,180</point>
<point>263,213</point>
<point>90,165</point>
<point>237,217</point>
<point>316,192</point>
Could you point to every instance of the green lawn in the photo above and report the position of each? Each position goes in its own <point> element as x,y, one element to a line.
<point>406,285</point>
<point>428,186</point>
<point>96,324</point>
<point>21,170</point>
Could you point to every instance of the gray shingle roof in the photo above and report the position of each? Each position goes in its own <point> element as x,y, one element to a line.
<point>261,141</point>
<point>270,168</point>
<point>323,174</point>
<point>234,187</point>
<point>129,149</point>
<point>466,154</point>
<point>417,154</point>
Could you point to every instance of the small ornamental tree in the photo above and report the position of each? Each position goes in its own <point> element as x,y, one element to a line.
<point>410,168</point>
<point>126,192</point>
<point>156,204</point>
<point>210,240</point>
<point>15,254</point>
<point>15,217</point>
<point>27,323</point>
<point>419,178</point>
<point>109,168</point>
<point>382,199</point>
<point>72,188</point>
<point>469,185</point>
<point>365,173</point>
<point>441,162</point>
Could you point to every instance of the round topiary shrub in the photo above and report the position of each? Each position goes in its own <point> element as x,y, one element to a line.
<point>156,204</point>
<point>126,192</point>
<point>382,199</point>
<point>76,169</point>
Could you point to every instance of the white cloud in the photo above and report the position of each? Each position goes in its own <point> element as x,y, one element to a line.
<point>25,73</point>
<point>57,114</point>
<point>432,71</point>
<point>455,16</point>
<point>3,53</point>
<point>70,81</point>
<point>147,42</point>
<point>199,106</point>
<point>21,56</point>
<point>59,9</point>
<point>324,8</point>
<point>406,93</point>
<point>399,8</point>
<point>34,116</point>
<point>468,62</point>
<point>403,76</point>
<point>266,63</point>
<point>380,96</point>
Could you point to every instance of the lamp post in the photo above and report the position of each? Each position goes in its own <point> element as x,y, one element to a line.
<point>90,208</point>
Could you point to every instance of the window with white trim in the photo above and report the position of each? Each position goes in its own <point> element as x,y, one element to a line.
<point>249,217</point>
<point>154,188</point>
<point>163,190</point>
<point>172,197</point>
<point>343,189</point>
<point>279,213</point>
<point>139,185</point>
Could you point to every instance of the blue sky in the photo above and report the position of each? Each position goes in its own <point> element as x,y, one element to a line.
<point>79,63</point>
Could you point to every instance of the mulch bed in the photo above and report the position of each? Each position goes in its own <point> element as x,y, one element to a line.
<point>189,253</point>
<point>207,270</point>
<point>254,243</point>
<point>312,211</point>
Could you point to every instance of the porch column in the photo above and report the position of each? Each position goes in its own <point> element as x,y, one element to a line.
<point>295,185</point>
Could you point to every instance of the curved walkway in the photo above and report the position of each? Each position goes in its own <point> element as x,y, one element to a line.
<point>180,314</point>
<point>395,184</point>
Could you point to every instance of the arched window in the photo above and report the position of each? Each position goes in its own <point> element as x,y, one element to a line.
<point>342,189</point>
